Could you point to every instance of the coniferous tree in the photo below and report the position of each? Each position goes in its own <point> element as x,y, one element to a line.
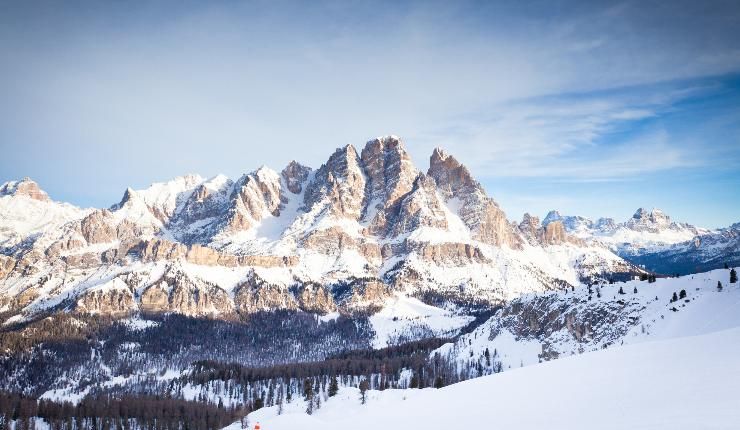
<point>719,286</point>
<point>674,298</point>
<point>333,386</point>
<point>364,386</point>
<point>733,276</point>
<point>308,395</point>
<point>682,294</point>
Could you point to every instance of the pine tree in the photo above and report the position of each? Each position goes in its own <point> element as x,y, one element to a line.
<point>674,298</point>
<point>635,291</point>
<point>719,286</point>
<point>621,290</point>
<point>364,385</point>
<point>733,276</point>
<point>682,294</point>
<point>333,386</point>
<point>308,395</point>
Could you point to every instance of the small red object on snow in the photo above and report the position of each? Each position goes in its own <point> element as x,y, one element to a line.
<point>257,426</point>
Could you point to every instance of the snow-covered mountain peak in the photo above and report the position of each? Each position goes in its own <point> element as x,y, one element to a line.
<point>217,182</point>
<point>655,218</point>
<point>266,174</point>
<point>552,216</point>
<point>389,170</point>
<point>295,174</point>
<point>25,187</point>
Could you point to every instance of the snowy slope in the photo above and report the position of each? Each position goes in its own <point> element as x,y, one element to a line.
<point>536,328</point>
<point>684,383</point>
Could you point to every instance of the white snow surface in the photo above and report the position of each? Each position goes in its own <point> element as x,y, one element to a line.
<point>401,316</point>
<point>682,383</point>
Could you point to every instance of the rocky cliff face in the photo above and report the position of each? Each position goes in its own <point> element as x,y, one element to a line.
<point>339,184</point>
<point>479,212</point>
<point>346,237</point>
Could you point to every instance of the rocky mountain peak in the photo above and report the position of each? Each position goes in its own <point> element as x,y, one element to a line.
<point>649,219</point>
<point>529,222</point>
<point>479,212</point>
<point>255,196</point>
<point>129,197</point>
<point>295,174</point>
<point>389,170</point>
<point>24,187</point>
<point>530,228</point>
<point>449,174</point>
<point>552,216</point>
<point>341,182</point>
<point>653,215</point>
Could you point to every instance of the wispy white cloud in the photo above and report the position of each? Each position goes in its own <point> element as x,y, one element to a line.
<point>591,137</point>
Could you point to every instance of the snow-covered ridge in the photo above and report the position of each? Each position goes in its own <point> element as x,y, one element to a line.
<point>368,219</point>
<point>542,327</point>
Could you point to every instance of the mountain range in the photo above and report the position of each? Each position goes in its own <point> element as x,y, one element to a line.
<point>362,230</point>
<point>653,241</point>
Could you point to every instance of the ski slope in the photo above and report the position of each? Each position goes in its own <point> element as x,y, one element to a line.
<point>683,383</point>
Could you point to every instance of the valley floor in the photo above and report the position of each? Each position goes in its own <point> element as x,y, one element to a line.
<point>691,382</point>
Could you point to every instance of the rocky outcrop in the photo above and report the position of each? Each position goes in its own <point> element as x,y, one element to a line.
<point>334,240</point>
<point>390,176</point>
<point>294,175</point>
<point>255,196</point>
<point>554,233</point>
<point>315,298</point>
<point>256,295</point>
<point>531,229</point>
<point>115,301</point>
<point>7,264</point>
<point>455,254</point>
<point>176,292</point>
<point>164,250</point>
<point>99,227</point>
<point>339,184</point>
<point>420,208</point>
<point>330,241</point>
<point>160,249</point>
<point>365,295</point>
<point>25,187</point>
<point>478,211</point>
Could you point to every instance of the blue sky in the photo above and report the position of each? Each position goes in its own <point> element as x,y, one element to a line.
<point>591,108</point>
